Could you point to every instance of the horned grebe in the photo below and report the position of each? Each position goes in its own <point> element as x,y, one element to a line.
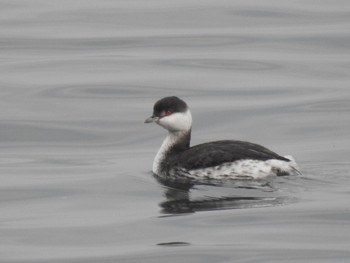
<point>218,160</point>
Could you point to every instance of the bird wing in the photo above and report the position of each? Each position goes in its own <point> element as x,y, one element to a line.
<point>215,153</point>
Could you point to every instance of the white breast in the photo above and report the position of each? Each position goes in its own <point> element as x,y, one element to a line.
<point>168,142</point>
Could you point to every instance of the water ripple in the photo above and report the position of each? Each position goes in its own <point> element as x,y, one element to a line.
<point>238,194</point>
<point>33,133</point>
<point>223,64</point>
<point>127,42</point>
<point>102,91</point>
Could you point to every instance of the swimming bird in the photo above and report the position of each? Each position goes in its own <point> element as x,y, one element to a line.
<point>217,160</point>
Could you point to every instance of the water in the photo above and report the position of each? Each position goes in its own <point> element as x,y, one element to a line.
<point>77,80</point>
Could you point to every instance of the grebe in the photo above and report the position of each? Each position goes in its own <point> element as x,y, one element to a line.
<point>218,160</point>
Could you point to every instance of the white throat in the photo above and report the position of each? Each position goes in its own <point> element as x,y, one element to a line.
<point>168,142</point>
<point>178,125</point>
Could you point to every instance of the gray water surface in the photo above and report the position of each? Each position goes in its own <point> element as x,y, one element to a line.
<point>77,80</point>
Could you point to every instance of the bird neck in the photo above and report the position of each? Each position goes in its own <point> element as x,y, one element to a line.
<point>178,141</point>
<point>175,142</point>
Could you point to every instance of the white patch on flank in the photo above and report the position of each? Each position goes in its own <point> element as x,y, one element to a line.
<point>246,168</point>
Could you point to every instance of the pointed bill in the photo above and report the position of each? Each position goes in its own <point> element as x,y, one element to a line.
<point>151,119</point>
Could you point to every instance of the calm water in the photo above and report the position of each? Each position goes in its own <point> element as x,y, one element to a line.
<point>77,80</point>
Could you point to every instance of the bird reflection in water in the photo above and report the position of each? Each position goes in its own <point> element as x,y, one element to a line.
<point>179,200</point>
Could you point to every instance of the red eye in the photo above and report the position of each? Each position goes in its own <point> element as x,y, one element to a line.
<point>168,112</point>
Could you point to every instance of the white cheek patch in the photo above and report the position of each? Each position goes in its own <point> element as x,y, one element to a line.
<point>178,121</point>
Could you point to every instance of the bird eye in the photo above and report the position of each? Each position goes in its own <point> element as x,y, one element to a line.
<point>168,112</point>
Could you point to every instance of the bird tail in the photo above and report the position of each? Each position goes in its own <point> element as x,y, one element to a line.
<point>293,167</point>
